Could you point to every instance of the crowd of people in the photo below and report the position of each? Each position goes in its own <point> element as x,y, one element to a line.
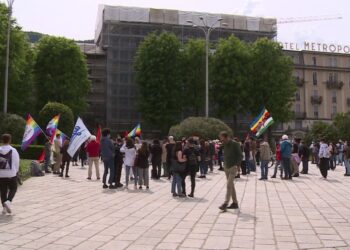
<point>177,161</point>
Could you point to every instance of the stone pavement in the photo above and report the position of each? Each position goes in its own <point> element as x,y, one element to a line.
<point>55,213</point>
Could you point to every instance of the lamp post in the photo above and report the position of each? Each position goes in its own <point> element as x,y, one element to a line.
<point>207,29</point>
<point>10,4</point>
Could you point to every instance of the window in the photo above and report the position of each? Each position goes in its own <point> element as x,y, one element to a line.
<point>333,62</point>
<point>315,111</point>
<point>298,125</point>
<point>297,108</point>
<point>297,95</point>
<point>333,77</point>
<point>315,92</point>
<point>334,97</point>
<point>334,111</point>
<point>314,60</point>
<point>314,78</point>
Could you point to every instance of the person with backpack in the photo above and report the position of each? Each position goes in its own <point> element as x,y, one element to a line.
<point>192,165</point>
<point>9,167</point>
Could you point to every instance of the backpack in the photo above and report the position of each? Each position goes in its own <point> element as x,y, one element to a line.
<point>192,158</point>
<point>36,169</point>
<point>6,161</point>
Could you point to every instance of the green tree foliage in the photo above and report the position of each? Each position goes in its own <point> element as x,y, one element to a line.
<point>321,130</point>
<point>208,128</point>
<point>270,82</point>
<point>14,125</point>
<point>194,76</point>
<point>61,73</point>
<point>158,66</point>
<point>230,69</point>
<point>21,91</point>
<point>342,124</point>
<point>52,109</point>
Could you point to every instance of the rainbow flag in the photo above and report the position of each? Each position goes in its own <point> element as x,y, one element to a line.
<point>261,123</point>
<point>52,125</point>
<point>136,131</point>
<point>63,135</point>
<point>32,130</point>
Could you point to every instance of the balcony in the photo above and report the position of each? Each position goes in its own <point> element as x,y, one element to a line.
<point>334,84</point>
<point>316,100</point>
<point>299,81</point>
<point>299,115</point>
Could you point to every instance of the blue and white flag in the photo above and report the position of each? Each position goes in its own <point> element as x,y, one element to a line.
<point>80,135</point>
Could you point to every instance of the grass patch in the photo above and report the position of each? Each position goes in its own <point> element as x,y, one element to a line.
<point>25,171</point>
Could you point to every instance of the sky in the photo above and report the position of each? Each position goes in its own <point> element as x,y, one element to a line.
<point>76,18</point>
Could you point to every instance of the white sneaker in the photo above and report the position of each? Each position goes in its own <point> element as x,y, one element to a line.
<point>4,211</point>
<point>7,206</point>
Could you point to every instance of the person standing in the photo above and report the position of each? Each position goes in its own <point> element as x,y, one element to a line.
<point>65,159</point>
<point>143,165</point>
<point>107,154</point>
<point>130,156</point>
<point>340,153</point>
<point>324,155</point>
<point>170,150</point>
<point>93,151</point>
<point>164,158</point>
<point>278,161</point>
<point>157,152</point>
<point>233,157</point>
<point>48,151</point>
<point>118,162</point>
<point>265,157</point>
<point>178,158</point>
<point>82,155</point>
<point>192,156</point>
<point>57,154</point>
<point>346,159</point>
<point>304,154</point>
<point>286,152</point>
<point>204,154</point>
<point>9,167</point>
<point>247,155</point>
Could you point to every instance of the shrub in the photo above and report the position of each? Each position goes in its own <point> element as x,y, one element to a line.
<point>208,128</point>
<point>14,125</point>
<point>33,152</point>
<point>52,109</point>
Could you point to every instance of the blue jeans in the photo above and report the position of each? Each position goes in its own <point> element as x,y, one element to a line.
<point>177,181</point>
<point>203,166</point>
<point>47,163</point>
<point>264,169</point>
<point>108,167</point>
<point>340,158</point>
<point>286,166</point>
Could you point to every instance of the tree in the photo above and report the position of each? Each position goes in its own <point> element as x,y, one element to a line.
<point>158,66</point>
<point>14,125</point>
<point>61,73</point>
<point>321,130</point>
<point>342,124</point>
<point>194,76</point>
<point>21,91</point>
<point>52,109</point>
<point>271,83</point>
<point>230,71</point>
<point>207,128</point>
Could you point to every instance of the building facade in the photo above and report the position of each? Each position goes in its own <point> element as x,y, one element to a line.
<point>120,30</point>
<point>323,81</point>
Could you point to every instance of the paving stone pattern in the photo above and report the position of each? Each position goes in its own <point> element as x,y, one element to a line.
<point>55,213</point>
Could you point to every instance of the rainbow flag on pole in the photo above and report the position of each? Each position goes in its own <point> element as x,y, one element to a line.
<point>136,131</point>
<point>52,125</point>
<point>31,132</point>
<point>261,123</point>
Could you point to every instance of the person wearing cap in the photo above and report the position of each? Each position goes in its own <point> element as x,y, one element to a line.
<point>93,150</point>
<point>286,152</point>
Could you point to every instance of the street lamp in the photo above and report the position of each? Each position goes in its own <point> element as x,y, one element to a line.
<point>207,29</point>
<point>10,4</point>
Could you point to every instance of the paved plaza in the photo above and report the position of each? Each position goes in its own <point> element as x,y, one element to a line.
<point>55,213</point>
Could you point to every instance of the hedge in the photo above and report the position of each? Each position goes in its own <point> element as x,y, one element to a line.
<point>33,152</point>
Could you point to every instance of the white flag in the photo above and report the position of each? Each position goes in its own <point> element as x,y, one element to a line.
<point>80,135</point>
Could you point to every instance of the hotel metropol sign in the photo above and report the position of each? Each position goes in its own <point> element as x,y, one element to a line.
<point>318,47</point>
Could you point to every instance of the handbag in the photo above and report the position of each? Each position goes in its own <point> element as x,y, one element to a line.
<point>178,167</point>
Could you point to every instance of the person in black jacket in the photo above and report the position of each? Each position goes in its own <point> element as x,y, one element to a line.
<point>156,151</point>
<point>118,162</point>
<point>304,154</point>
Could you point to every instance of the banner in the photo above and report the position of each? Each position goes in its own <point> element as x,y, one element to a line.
<point>80,135</point>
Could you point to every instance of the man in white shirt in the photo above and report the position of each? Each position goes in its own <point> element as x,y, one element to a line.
<point>9,167</point>
<point>324,155</point>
